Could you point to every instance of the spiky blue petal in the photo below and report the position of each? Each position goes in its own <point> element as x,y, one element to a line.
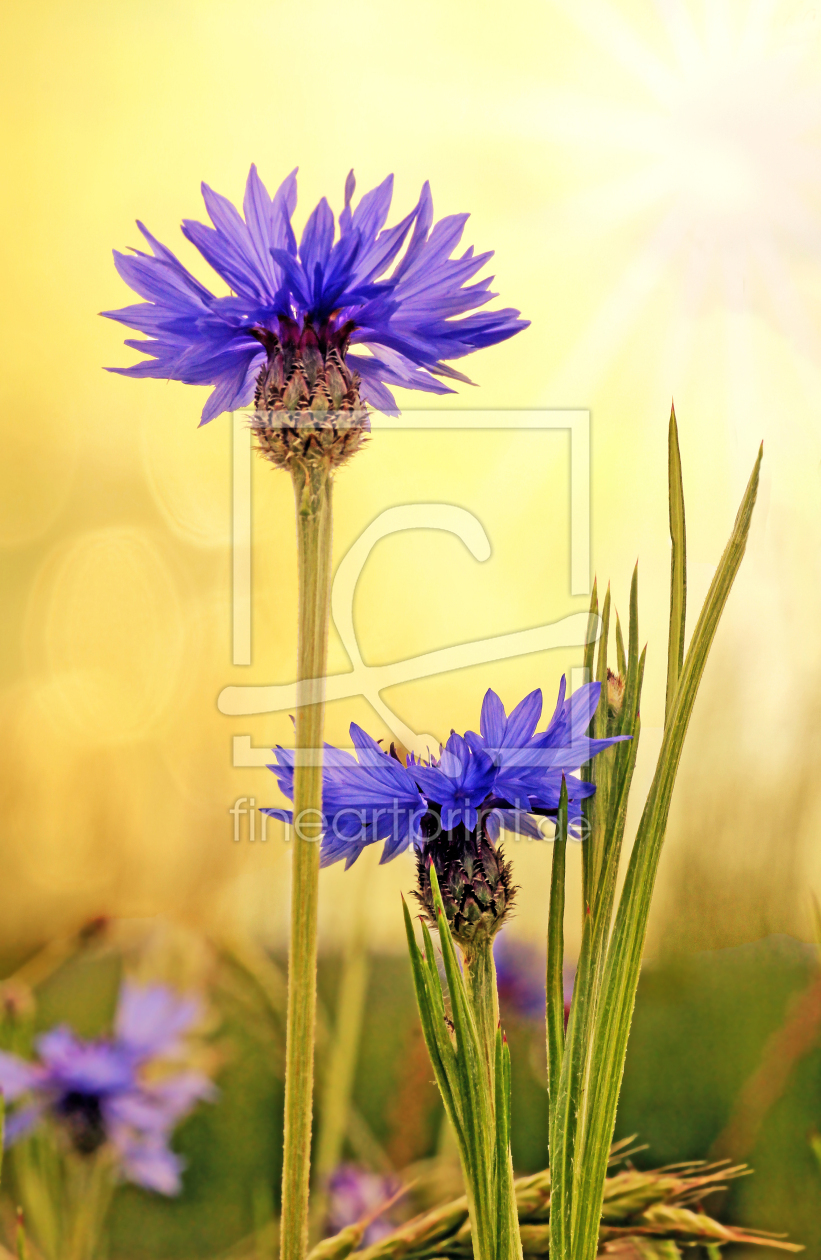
<point>409,321</point>
<point>503,775</point>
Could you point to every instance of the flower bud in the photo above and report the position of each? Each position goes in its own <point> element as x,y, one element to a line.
<point>615,699</point>
<point>307,400</point>
<point>474,880</point>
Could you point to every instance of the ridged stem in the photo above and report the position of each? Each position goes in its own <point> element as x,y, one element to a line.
<point>312,489</point>
<point>342,1055</point>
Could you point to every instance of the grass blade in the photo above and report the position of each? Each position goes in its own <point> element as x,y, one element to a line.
<point>621,656</point>
<point>599,771</point>
<point>627,943</point>
<point>593,625</point>
<point>592,630</point>
<point>555,962</point>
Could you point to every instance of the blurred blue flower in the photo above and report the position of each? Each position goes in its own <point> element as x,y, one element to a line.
<point>109,1090</point>
<point>409,320</point>
<point>502,776</point>
<point>520,977</point>
<point>353,1195</point>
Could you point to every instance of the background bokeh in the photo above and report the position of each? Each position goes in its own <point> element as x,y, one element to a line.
<point>648,175</point>
<point>648,178</point>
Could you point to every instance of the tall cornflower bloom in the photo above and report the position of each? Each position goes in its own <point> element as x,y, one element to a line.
<point>311,333</point>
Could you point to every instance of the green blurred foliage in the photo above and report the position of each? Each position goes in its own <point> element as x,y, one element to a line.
<point>700,1026</point>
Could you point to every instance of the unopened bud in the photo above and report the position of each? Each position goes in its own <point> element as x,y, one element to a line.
<point>615,694</point>
<point>474,880</point>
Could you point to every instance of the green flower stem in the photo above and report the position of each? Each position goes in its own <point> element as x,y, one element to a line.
<point>312,489</point>
<point>342,1055</point>
<point>483,997</point>
<point>480,983</point>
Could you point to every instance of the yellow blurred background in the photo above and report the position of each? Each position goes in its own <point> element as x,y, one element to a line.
<point>649,179</point>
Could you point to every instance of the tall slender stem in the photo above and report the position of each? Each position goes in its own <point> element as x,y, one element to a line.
<point>312,489</point>
<point>342,1056</point>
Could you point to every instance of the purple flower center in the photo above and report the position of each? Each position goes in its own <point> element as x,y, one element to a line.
<point>83,1117</point>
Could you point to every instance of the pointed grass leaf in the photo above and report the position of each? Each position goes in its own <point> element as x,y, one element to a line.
<point>593,628</point>
<point>592,632</point>
<point>627,942</point>
<point>555,961</point>
<point>600,718</point>
<point>621,657</point>
<point>507,1216</point>
<point>601,766</point>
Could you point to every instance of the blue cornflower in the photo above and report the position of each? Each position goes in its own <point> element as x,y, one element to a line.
<point>109,1090</point>
<point>452,809</point>
<point>284,333</point>
<point>458,783</point>
<point>529,768</point>
<point>499,777</point>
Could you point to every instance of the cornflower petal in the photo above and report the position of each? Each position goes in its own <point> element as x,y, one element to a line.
<point>411,320</point>
<point>150,1164</point>
<point>365,799</point>
<point>152,1019</point>
<point>17,1076</point>
<point>529,766</point>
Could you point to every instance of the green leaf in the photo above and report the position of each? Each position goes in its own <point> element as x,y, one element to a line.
<point>555,961</point>
<point>601,769</point>
<point>564,1127</point>
<point>600,719</point>
<point>593,628</point>
<point>594,940</point>
<point>509,1241</point>
<point>592,633</point>
<point>678,566</point>
<point>627,942</point>
<point>628,712</point>
<point>432,1019</point>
